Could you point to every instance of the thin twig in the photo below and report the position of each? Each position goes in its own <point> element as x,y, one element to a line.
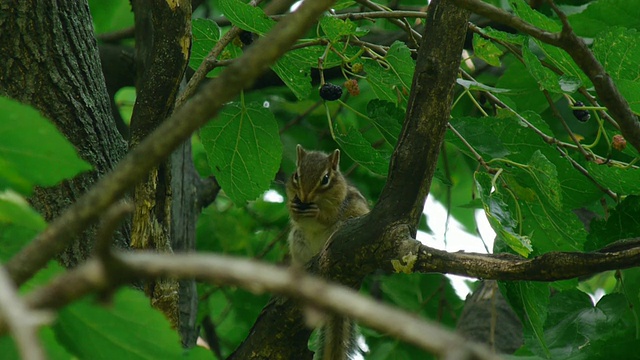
<point>20,320</point>
<point>414,35</point>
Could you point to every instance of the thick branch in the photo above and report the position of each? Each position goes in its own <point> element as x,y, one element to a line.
<point>567,40</point>
<point>258,278</point>
<point>551,266</point>
<point>202,107</point>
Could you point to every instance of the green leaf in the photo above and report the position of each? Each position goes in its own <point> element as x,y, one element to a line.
<point>530,300</point>
<point>500,217</point>
<point>618,50</point>
<point>558,57</point>
<point>244,150</point>
<point>359,149</point>
<point>486,50</point>
<point>546,78</point>
<point>545,176</point>
<point>336,28</point>
<point>401,63</point>
<point>623,223</point>
<point>631,92</point>
<point>19,223</point>
<point>387,117</point>
<point>109,16</point>
<point>32,150</point>
<point>482,137</point>
<point>127,329</point>
<point>206,33</point>
<point>245,16</point>
<point>391,80</point>
<point>52,348</point>
<point>622,181</point>
<point>550,228</point>
<point>510,38</point>
<point>417,293</point>
<point>525,92</point>
<point>602,14</point>
<point>293,69</point>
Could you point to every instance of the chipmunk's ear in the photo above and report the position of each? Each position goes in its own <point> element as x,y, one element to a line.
<point>334,158</point>
<point>301,154</point>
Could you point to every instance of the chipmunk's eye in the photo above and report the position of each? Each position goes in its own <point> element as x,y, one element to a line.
<point>325,180</point>
<point>295,177</point>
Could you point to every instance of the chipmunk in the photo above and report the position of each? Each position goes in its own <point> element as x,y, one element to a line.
<point>319,201</point>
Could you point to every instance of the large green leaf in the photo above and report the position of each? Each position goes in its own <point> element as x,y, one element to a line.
<point>576,329</point>
<point>129,328</point>
<point>387,117</point>
<point>206,34</point>
<point>558,57</point>
<point>245,16</point>
<point>293,69</point>
<point>19,223</point>
<point>486,50</point>
<point>622,181</point>
<point>623,222</point>
<point>602,14</point>
<point>47,338</point>
<point>618,50</point>
<point>500,217</point>
<point>401,64</point>
<point>549,227</point>
<point>546,78</point>
<point>336,28</point>
<point>244,150</point>
<point>32,150</point>
<point>359,149</point>
<point>391,80</point>
<point>477,133</point>
<point>530,300</point>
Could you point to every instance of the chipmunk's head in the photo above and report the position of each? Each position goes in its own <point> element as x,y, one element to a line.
<point>317,184</point>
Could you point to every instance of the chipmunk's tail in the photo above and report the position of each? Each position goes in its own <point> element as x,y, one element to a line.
<point>337,339</point>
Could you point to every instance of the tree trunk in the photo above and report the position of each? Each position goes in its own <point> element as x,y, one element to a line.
<point>50,61</point>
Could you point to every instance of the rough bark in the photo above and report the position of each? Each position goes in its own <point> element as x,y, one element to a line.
<point>165,205</point>
<point>50,61</point>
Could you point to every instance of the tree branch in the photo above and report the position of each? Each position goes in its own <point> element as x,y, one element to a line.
<point>20,320</point>
<point>257,278</point>
<point>171,133</point>
<point>550,266</point>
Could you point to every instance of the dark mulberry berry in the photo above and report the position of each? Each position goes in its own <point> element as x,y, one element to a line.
<point>246,37</point>
<point>330,92</point>
<point>581,115</point>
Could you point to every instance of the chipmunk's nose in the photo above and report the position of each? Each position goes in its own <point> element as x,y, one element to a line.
<point>301,206</point>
